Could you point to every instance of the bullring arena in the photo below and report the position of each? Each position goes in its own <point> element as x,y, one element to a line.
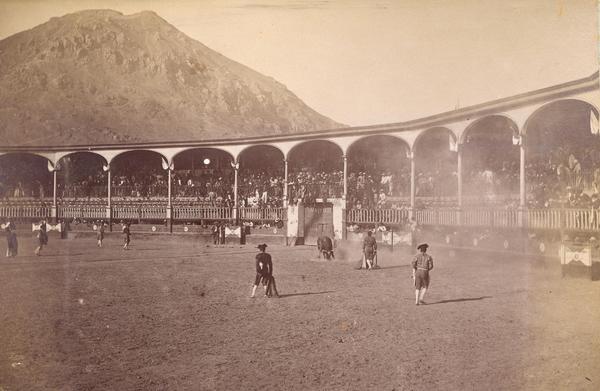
<point>173,311</point>
<point>175,219</point>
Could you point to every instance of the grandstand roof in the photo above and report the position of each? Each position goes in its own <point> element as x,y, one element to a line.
<point>549,94</point>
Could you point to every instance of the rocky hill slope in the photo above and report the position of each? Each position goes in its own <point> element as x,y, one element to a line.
<point>101,77</point>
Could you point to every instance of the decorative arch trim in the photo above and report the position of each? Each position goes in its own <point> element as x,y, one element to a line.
<point>542,107</point>
<point>247,147</point>
<point>424,132</point>
<point>311,141</point>
<point>60,155</point>
<point>469,128</point>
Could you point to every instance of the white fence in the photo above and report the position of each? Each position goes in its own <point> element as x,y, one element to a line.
<point>532,219</point>
<point>190,213</point>
<point>263,214</point>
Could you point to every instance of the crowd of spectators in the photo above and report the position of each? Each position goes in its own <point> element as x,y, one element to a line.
<point>567,176</point>
<point>18,182</point>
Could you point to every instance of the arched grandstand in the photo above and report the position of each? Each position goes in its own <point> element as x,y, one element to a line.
<point>527,162</point>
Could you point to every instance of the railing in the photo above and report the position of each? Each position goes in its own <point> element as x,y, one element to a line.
<point>581,219</point>
<point>426,217</point>
<point>190,212</point>
<point>558,219</point>
<point>447,217</point>
<point>140,212</point>
<point>81,211</point>
<point>25,211</point>
<point>263,214</point>
<point>544,219</point>
<point>467,217</point>
<point>505,218</point>
<point>384,216</point>
<point>477,217</point>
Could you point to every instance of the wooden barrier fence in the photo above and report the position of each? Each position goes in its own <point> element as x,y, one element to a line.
<point>81,211</point>
<point>12,211</point>
<point>384,216</point>
<point>533,219</point>
<point>586,220</point>
<point>191,213</point>
<point>263,214</point>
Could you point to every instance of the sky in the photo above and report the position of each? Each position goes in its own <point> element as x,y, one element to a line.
<point>380,61</point>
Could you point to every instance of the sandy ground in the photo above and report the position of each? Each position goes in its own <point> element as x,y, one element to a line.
<point>171,314</point>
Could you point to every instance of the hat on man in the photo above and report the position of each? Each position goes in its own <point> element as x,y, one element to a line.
<point>261,246</point>
<point>422,245</point>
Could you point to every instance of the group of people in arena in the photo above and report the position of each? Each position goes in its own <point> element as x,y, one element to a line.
<point>422,264</point>
<point>12,243</point>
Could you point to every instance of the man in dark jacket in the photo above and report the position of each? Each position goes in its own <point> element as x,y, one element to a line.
<point>369,249</point>
<point>12,244</point>
<point>422,264</point>
<point>264,271</point>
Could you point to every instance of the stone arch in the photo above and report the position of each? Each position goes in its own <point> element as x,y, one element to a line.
<point>119,153</point>
<point>490,161</point>
<point>261,175</point>
<point>79,176</point>
<point>139,176</point>
<point>251,146</point>
<point>562,155</point>
<point>545,106</point>
<point>473,125</point>
<point>315,170</point>
<point>203,172</point>
<point>215,148</point>
<point>315,143</point>
<point>370,136</point>
<point>435,155</point>
<point>379,170</point>
<point>26,174</point>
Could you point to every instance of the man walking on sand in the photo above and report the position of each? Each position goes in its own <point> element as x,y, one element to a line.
<point>264,271</point>
<point>369,250</point>
<point>422,264</point>
<point>126,236</point>
<point>42,237</point>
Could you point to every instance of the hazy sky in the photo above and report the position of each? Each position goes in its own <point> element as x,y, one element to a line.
<point>370,62</point>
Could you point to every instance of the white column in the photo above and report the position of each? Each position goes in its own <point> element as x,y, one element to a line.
<point>235,187</point>
<point>459,175</point>
<point>109,186</point>
<point>54,188</point>
<point>412,179</point>
<point>285,183</point>
<point>522,183</point>
<point>345,178</point>
<point>169,188</point>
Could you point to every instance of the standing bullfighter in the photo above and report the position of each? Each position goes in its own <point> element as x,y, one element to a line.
<point>422,264</point>
<point>264,272</point>
<point>369,249</point>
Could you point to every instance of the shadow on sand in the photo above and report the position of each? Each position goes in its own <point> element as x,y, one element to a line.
<point>459,300</point>
<point>395,267</point>
<point>304,294</point>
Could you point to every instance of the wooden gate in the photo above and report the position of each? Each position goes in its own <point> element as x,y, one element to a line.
<point>318,220</point>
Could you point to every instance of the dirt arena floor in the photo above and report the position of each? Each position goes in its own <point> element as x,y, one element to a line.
<point>171,314</point>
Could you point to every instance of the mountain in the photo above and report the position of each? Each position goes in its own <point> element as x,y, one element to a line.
<point>101,77</point>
